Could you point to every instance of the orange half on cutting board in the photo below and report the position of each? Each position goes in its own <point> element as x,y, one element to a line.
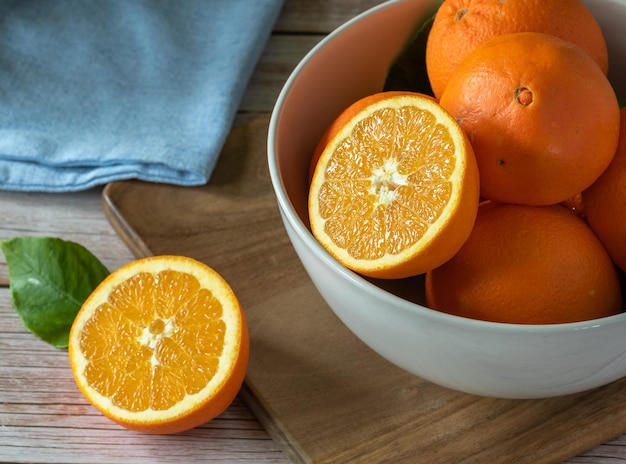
<point>161,345</point>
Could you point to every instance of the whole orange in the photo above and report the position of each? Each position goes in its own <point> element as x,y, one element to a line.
<point>605,203</point>
<point>461,25</point>
<point>527,265</point>
<point>542,118</point>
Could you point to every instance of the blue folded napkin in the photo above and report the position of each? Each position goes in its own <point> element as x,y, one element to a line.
<point>103,90</point>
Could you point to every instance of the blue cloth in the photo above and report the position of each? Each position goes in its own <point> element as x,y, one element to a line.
<point>103,90</point>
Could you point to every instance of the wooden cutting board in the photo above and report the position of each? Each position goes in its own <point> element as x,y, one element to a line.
<point>318,390</point>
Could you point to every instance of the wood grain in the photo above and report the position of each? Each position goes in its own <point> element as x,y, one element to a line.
<point>321,393</point>
<point>319,17</point>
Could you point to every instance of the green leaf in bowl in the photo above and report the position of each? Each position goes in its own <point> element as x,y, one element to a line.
<point>50,279</point>
<point>408,71</point>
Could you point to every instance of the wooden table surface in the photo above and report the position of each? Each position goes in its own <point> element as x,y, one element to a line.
<point>43,416</point>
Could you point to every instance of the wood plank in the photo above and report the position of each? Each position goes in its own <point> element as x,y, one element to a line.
<point>306,16</point>
<point>65,215</point>
<point>281,56</point>
<point>320,392</point>
<point>94,445</point>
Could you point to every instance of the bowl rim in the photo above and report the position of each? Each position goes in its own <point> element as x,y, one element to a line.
<point>288,213</point>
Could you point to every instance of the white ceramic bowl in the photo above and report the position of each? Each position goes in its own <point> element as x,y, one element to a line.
<point>490,359</point>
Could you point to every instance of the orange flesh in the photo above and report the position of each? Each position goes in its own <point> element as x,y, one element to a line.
<point>149,352</point>
<point>387,182</point>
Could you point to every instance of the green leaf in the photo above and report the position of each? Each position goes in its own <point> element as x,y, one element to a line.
<point>50,279</point>
<point>408,71</point>
<point>622,102</point>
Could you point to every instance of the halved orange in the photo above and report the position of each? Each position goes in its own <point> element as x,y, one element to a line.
<point>395,191</point>
<point>161,345</point>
